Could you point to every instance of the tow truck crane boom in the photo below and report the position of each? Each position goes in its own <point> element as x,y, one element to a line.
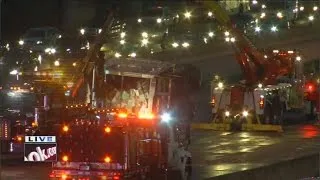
<point>256,66</point>
<point>89,61</point>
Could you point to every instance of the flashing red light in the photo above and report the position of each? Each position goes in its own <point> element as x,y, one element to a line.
<point>310,87</point>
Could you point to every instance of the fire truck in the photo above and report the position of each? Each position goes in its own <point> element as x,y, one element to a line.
<point>134,134</point>
<point>273,84</point>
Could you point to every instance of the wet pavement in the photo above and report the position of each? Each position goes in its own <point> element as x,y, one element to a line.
<point>219,153</point>
<point>215,153</point>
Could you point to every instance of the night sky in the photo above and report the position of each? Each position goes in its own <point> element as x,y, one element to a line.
<point>19,15</point>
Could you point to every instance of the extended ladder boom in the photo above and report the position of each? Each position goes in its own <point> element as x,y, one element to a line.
<point>90,59</point>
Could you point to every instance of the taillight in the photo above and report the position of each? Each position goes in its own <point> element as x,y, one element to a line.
<point>65,158</point>
<point>261,102</point>
<point>107,129</point>
<point>107,159</point>
<point>65,128</point>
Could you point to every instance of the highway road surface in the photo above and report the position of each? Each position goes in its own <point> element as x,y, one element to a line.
<point>219,153</point>
<point>215,153</point>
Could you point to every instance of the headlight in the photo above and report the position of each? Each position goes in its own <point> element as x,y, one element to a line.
<point>245,113</point>
<point>166,117</point>
<point>227,113</point>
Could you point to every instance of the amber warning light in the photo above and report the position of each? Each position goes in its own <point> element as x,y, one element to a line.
<point>40,149</point>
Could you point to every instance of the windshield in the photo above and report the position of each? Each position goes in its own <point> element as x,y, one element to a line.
<point>91,143</point>
<point>130,93</point>
<point>35,33</point>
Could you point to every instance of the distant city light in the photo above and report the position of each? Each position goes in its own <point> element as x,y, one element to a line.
<point>144,35</point>
<point>159,20</point>
<point>262,15</point>
<point>14,72</point>
<point>210,14</point>
<point>254,2</point>
<point>279,15</point>
<point>144,42</point>
<point>311,18</point>
<point>117,55</point>
<point>21,42</point>
<point>139,20</point>
<point>175,44</point>
<point>122,41</point>
<point>133,55</point>
<point>274,29</point>
<point>82,31</point>
<point>211,34</point>
<point>123,34</point>
<point>56,63</point>
<point>263,6</point>
<point>185,44</point>
<point>301,8</point>
<point>257,29</point>
<point>187,15</point>
<point>315,8</point>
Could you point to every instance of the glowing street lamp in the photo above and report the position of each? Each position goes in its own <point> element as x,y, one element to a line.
<point>21,42</point>
<point>144,35</point>
<point>210,14</point>
<point>257,29</point>
<point>117,55</point>
<point>274,29</point>
<point>82,31</point>
<point>211,34</point>
<point>133,55</point>
<point>185,45</point>
<point>159,20</point>
<point>57,63</point>
<point>144,42</point>
<point>311,18</point>
<point>139,20</point>
<point>175,45</point>
<point>187,15</point>
<point>14,72</point>
<point>123,34</point>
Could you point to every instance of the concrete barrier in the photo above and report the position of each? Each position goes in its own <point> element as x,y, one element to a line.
<point>294,169</point>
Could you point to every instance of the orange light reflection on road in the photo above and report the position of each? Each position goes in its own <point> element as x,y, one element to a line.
<point>309,131</point>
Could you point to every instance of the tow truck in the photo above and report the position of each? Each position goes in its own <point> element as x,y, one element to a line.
<point>133,135</point>
<point>273,84</point>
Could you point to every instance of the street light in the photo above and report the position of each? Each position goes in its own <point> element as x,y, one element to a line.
<point>159,20</point>
<point>274,29</point>
<point>175,45</point>
<point>133,55</point>
<point>14,72</point>
<point>144,42</point>
<point>187,15</point>
<point>56,63</point>
<point>185,45</point>
<point>210,14</point>
<point>82,31</point>
<point>210,34</point>
<point>311,18</point>
<point>21,42</point>
<point>257,29</point>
